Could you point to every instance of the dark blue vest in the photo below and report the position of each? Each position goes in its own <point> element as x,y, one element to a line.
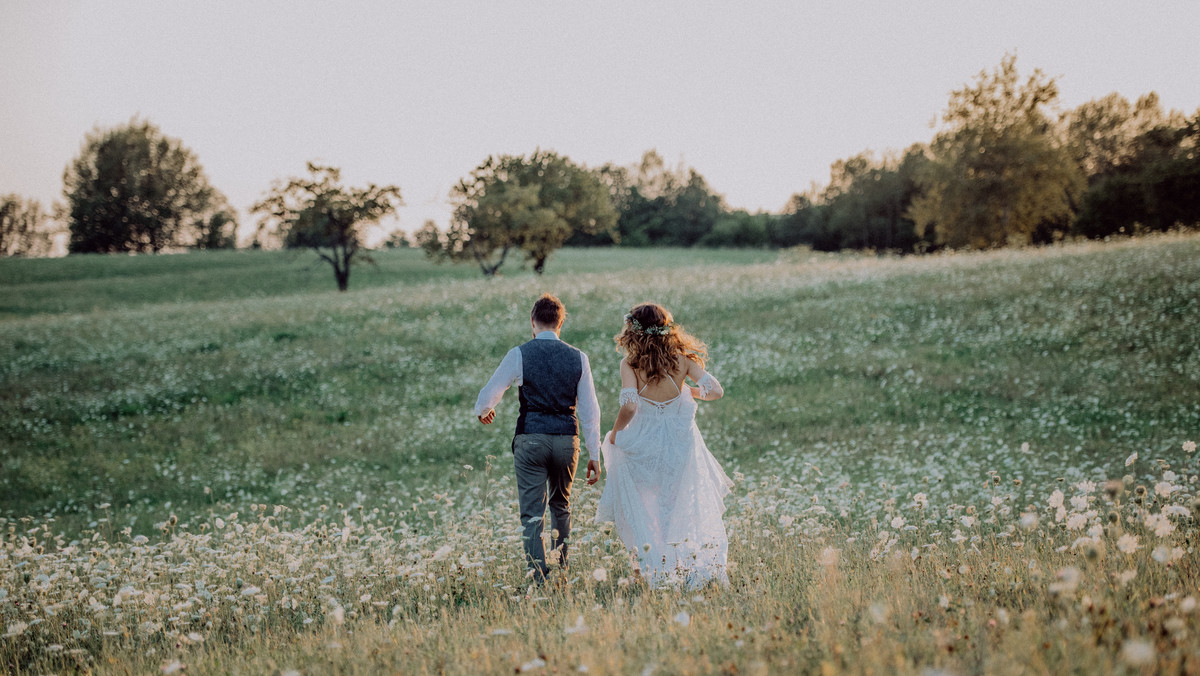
<point>550,373</point>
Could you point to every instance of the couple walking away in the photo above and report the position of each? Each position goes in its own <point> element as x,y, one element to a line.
<point>665,491</point>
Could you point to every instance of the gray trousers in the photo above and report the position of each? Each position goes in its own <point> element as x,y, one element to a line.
<point>545,468</point>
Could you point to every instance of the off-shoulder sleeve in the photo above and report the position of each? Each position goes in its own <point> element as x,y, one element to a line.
<point>628,396</point>
<point>706,384</point>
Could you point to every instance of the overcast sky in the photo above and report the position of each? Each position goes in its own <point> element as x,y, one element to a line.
<point>759,97</point>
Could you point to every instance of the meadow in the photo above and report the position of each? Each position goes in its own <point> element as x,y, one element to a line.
<point>953,464</point>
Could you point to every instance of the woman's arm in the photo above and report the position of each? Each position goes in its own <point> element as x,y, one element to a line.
<point>707,387</point>
<point>625,414</point>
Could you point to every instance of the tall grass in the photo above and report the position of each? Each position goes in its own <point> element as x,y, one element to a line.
<point>966,463</point>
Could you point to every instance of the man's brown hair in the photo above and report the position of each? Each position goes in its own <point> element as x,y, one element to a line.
<point>549,311</point>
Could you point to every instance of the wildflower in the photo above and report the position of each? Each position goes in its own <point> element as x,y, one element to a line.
<point>579,628</point>
<point>683,619</point>
<point>140,539</point>
<point>535,663</point>
<point>1113,488</point>
<point>1189,446</point>
<point>897,522</point>
<point>1160,524</point>
<point>1056,499</point>
<point>220,523</point>
<point>1029,520</point>
<point>921,500</point>
<point>1165,488</point>
<point>339,615</point>
<point>1165,554</point>
<point>1131,459</point>
<point>1137,652</point>
<point>173,668</point>
<point>600,575</point>
<point>1066,580</point>
<point>1188,604</point>
<point>1127,543</point>
<point>967,521</point>
<point>1076,522</point>
<point>16,629</point>
<point>828,557</point>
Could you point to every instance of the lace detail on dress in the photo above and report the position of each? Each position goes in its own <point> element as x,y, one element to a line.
<point>706,384</point>
<point>629,395</point>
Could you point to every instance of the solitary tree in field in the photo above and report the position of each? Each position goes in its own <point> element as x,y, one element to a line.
<point>997,169</point>
<point>510,203</point>
<point>319,213</point>
<point>22,227</point>
<point>134,189</point>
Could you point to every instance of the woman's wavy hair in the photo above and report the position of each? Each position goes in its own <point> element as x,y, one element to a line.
<point>651,341</point>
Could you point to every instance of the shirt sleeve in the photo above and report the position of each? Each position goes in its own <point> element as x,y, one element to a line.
<point>588,410</point>
<point>507,374</point>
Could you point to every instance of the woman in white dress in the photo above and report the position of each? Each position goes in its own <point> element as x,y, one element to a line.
<point>665,491</point>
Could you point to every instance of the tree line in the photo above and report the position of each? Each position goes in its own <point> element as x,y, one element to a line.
<point>1004,167</point>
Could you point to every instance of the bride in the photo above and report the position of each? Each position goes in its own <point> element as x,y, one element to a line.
<point>665,492</point>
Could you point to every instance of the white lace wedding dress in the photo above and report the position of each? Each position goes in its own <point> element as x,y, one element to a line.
<point>665,492</point>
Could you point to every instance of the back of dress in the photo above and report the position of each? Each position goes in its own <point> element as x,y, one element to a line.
<point>665,491</point>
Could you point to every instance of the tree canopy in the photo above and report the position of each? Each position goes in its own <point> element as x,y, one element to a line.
<point>134,189</point>
<point>317,212</point>
<point>23,227</point>
<point>997,170</point>
<point>515,203</point>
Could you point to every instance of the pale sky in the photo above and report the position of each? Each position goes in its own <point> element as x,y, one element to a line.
<point>759,97</point>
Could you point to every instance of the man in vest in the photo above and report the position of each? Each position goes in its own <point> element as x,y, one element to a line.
<point>554,386</point>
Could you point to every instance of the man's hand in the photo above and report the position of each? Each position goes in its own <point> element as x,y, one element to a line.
<point>593,472</point>
<point>488,417</point>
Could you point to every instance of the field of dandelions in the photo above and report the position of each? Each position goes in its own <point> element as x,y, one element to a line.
<point>955,464</point>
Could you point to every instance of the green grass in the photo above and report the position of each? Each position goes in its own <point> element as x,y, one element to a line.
<point>208,383</point>
<point>89,283</point>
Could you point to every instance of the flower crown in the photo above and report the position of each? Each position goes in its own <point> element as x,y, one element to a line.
<point>637,327</point>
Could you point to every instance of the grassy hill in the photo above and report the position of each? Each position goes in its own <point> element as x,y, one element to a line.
<point>889,421</point>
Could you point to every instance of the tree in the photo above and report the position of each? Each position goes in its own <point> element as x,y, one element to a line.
<point>666,206</point>
<point>1102,134</point>
<point>1154,186</point>
<point>134,189</point>
<point>23,227</point>
<point>868,199</point>
<point>511,203</point>
<point>319,213</point>
<point>997,170</point>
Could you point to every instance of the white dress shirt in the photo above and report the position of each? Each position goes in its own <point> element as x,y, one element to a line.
<point>510,372</point>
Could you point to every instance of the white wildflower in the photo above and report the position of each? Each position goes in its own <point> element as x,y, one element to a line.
<point>1138,652</point>
<point>1056,498</point>
<point>600,575</point>
<point>683,619</point>
<point>579,628</point>
<point>1066,580</point>
<point>1127,543</point>
<point>1131,459</point>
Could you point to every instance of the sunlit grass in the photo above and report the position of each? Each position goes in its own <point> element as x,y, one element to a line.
<point>295,481</point>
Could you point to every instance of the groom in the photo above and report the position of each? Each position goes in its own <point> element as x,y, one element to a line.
<point>554,386</point>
